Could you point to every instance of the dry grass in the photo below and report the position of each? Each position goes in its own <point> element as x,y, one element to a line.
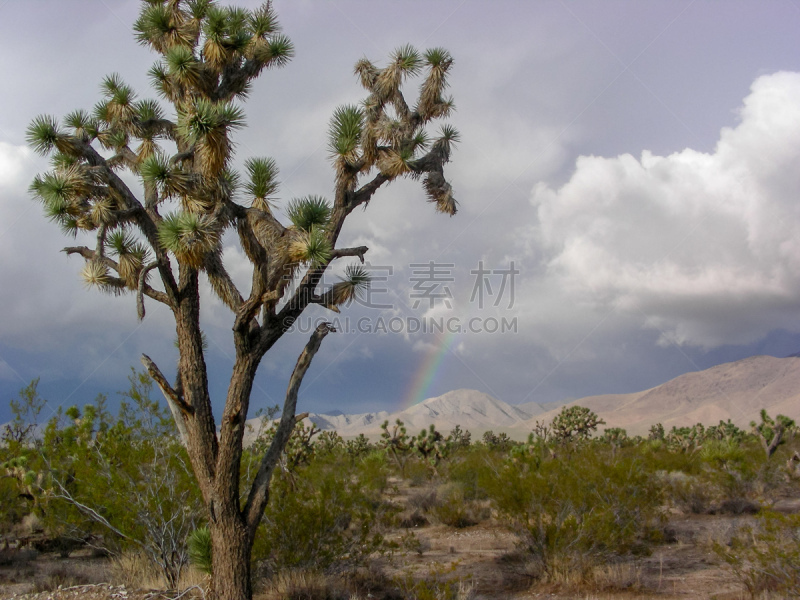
<point>134,570</point>
<point>301,585</point>
<point>614,577</point>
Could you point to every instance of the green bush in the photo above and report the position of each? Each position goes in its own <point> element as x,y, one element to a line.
<point>765,556</point>
<point>453,508</point>
<point>575,513</point>
<point>372,470</point>
<point>472,469</point>
<point>318,517</point>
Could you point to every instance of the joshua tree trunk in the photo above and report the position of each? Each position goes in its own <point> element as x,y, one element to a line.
<point>232,544</point>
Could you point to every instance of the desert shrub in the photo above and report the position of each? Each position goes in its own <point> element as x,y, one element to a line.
<point>20,475</point>
<point>417,472</point>
<point>473,469</point>
<point>452,507</point>
<point>410,542</point>
<point>412,519</point>
<point>571,514</point>
<point>59,578</point>
<point>319,517</point>
<point>720,475</point>
<point>497,441</point>
<point>689,493</point>
<point>126,478</point>
<point>765,556</point>
<point>123,479</point>
<point>304,585</point>
<point>423,500</point>
<point>372,470</point>
<point>435,587</point>
<point>135,569</point>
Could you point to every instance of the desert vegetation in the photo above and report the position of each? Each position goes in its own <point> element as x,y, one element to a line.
<point>572,510</point>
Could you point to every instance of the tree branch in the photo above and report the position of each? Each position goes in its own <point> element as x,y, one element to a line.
<point>90,254</point>
<point>365,192</point>
<point>142,282</point>
<point>177,404</point>
<point>360,251</point>
<point>259,491</point>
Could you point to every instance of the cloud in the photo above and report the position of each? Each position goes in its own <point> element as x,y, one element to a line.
<point>13,163</point>
<point>701,246</point>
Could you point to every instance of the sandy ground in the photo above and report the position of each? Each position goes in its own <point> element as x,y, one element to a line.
<point>482,555</point>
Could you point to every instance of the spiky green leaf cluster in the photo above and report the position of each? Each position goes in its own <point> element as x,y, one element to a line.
<point>170,180</point>
<point>190,237</point>
<point>202,41</point>
<point>81,123</point>
<point>149,110</point>
<point>355,282</point>
<point>311,247</point>
<point>132,255</point>
<point>199,546</point>
<point>408,59</point>
<point>263,181</point>
<point>309,212</point>
<point>205,117</point>
<point>345,131</point>
<point>42,134</point>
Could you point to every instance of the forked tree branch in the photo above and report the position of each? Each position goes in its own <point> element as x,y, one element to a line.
<point>365,192</point>
<point>259,491</point>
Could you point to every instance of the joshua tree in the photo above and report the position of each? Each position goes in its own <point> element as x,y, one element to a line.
<point>772,432</point>
<point>157,241</point>
<point>574,423</point>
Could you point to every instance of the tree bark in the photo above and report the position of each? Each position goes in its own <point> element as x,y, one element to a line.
<point>231,557</point>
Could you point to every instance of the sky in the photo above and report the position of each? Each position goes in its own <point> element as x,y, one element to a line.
<point>627,183</point>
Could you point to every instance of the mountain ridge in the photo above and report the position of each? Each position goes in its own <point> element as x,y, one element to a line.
<point>735,390</point>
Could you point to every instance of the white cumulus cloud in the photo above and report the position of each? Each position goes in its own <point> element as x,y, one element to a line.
<point>702,246</point>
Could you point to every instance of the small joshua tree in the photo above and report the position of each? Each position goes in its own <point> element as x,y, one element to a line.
<point>574,423</point>
<point>397,444</point>
<point>157,242</point>
<point>656,432</point>
<point>772,432</point>
<point>432,446</point>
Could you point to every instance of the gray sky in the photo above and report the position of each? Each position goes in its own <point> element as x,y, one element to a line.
<point>637,161</point>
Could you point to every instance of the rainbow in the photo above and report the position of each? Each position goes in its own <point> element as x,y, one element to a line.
<point>421,382</point>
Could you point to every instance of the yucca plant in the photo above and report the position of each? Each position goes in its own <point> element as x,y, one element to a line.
<point>200,550</point>
<point>159,239</point>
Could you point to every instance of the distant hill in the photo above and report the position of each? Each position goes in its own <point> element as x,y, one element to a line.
<point>736,391</point>
<point>470,409</point>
